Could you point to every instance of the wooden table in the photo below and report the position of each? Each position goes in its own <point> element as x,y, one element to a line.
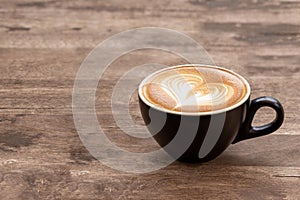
<point>43,43</point>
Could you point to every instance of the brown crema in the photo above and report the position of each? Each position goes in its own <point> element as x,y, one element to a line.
<point>194,89</point>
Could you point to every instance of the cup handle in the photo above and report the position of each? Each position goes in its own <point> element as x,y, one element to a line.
<point>247,131</point>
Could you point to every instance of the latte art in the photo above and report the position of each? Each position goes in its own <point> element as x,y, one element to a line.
<point>194,89</point>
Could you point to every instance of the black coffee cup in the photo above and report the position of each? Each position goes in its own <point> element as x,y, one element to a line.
<point>200,137</point>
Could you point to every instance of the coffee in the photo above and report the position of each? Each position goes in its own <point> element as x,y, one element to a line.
<point>194,89</point>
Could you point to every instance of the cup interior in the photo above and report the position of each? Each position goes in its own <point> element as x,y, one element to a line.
<point>146,80</point>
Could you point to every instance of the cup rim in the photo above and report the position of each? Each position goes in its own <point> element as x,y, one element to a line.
<point>243,100</point>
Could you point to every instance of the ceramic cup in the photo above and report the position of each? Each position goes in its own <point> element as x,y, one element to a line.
<point>200,137</point>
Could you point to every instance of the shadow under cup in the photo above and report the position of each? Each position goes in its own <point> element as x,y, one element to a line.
<point>200,137</point>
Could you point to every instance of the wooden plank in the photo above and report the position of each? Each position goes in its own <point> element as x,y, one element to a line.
<point>58,101</point>
<point>36,158</point>
<point>30,135</point>
<point>191,182</point>
<point>268,22</point>
<point>43,83</point>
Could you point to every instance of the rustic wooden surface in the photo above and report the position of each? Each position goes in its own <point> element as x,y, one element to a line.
<point>42,44</point>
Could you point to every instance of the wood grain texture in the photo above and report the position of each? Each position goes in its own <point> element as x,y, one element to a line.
<point>43,43</point>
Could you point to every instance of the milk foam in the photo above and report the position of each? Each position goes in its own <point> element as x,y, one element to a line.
<point>194,89</point>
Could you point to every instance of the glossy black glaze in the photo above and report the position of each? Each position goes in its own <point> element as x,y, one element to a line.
<point>237,127</point>
<point>247,131</point>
